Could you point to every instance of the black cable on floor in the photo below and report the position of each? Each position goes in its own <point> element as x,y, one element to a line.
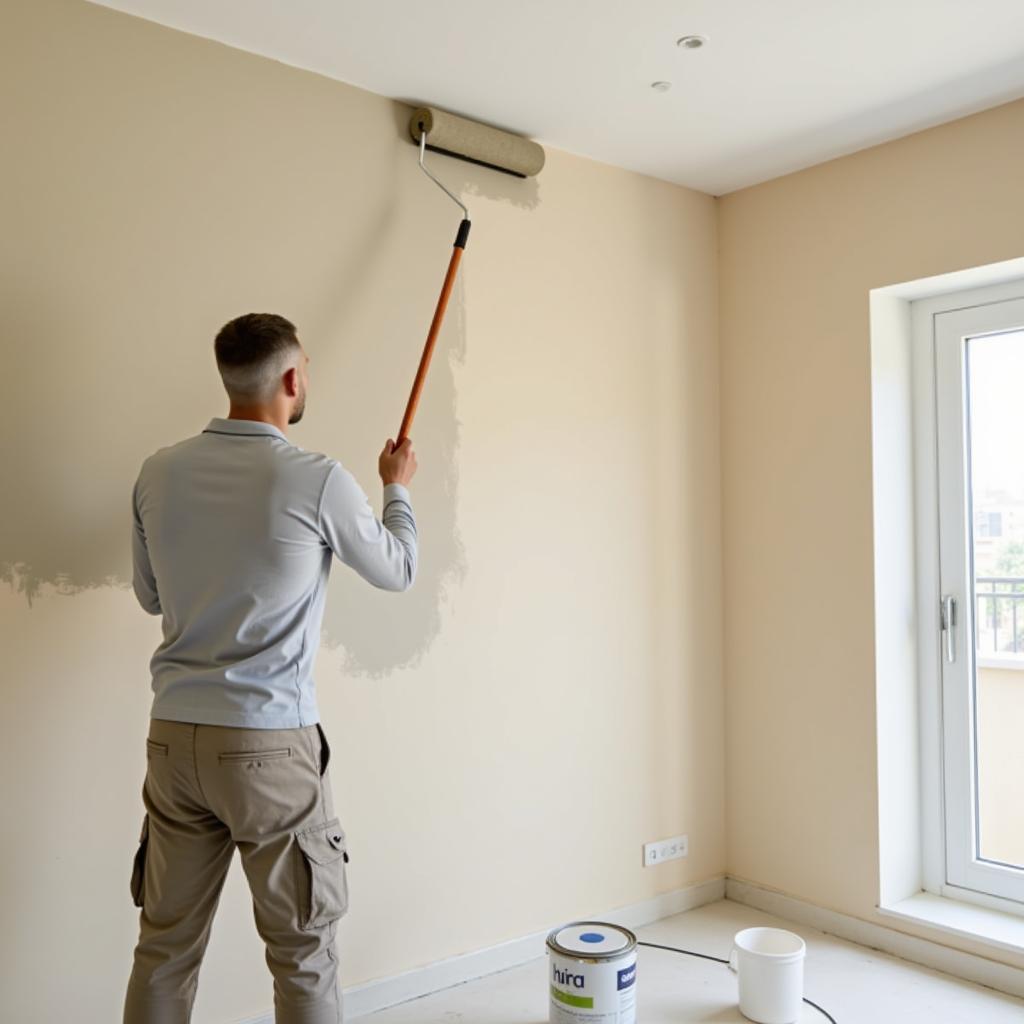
<point>719,960</point>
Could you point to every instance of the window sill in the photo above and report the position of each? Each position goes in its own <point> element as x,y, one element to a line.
<point>992,927</point>
<point>1006,660</point>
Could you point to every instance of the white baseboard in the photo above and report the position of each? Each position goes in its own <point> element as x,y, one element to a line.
<point>968,966</point>
<point>384,992</point>
<point>400,988</point>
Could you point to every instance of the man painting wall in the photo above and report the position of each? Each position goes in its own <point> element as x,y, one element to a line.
<point>234,534</point>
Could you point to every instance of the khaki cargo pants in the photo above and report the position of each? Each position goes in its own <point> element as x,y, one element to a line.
<point>209,790</point>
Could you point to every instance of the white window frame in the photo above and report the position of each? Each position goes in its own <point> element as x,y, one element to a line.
<point>948,866</point>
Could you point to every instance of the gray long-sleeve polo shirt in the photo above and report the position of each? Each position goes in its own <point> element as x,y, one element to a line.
<point>234,532</point>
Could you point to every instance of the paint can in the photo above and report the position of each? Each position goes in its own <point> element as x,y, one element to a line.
<point>592,974</point>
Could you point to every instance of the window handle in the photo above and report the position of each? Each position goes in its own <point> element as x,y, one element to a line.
<point>948,613</point>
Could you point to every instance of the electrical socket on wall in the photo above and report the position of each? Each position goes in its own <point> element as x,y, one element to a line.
<point>666,849</point>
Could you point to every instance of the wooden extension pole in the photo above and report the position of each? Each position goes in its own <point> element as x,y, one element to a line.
<point>435,329</point>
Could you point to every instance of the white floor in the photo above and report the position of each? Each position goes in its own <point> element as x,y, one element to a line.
<point>856,985</point>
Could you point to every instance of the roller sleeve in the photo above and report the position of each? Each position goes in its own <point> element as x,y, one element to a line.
<point>478,143</point>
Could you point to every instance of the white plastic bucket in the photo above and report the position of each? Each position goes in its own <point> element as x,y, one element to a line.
<point>770,966</point>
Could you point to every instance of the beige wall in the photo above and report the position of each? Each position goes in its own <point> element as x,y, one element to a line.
<point>1000,720</point>
<point>549,696</point>
<point>798,256</point>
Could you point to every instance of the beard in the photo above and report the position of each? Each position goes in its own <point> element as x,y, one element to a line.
<point>299,408</point>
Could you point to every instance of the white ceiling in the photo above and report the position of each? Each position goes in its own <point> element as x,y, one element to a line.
<point>783,84</point>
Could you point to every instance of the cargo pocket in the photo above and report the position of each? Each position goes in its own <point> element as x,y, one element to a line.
<point>323,887</point>
<point>325,750</point>
<point>139,867</point>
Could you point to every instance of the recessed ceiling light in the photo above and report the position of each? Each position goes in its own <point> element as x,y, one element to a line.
<point>661,86</point>
<point>692,42</point>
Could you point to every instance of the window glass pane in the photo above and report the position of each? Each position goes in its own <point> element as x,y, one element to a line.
<point>995,380</point>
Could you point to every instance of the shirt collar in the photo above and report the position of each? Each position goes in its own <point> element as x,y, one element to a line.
<point>244,428</point>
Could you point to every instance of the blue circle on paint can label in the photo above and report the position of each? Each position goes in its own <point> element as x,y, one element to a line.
<point>591,937</point>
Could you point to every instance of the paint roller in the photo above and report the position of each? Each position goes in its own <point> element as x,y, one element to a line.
<point>445,133</point>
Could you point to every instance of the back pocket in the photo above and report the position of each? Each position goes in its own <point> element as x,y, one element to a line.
<point>253,758</point>
<point>138,882</point>
<point>323,886</point>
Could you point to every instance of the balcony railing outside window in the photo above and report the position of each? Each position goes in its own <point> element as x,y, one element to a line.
<point>999,615</point>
